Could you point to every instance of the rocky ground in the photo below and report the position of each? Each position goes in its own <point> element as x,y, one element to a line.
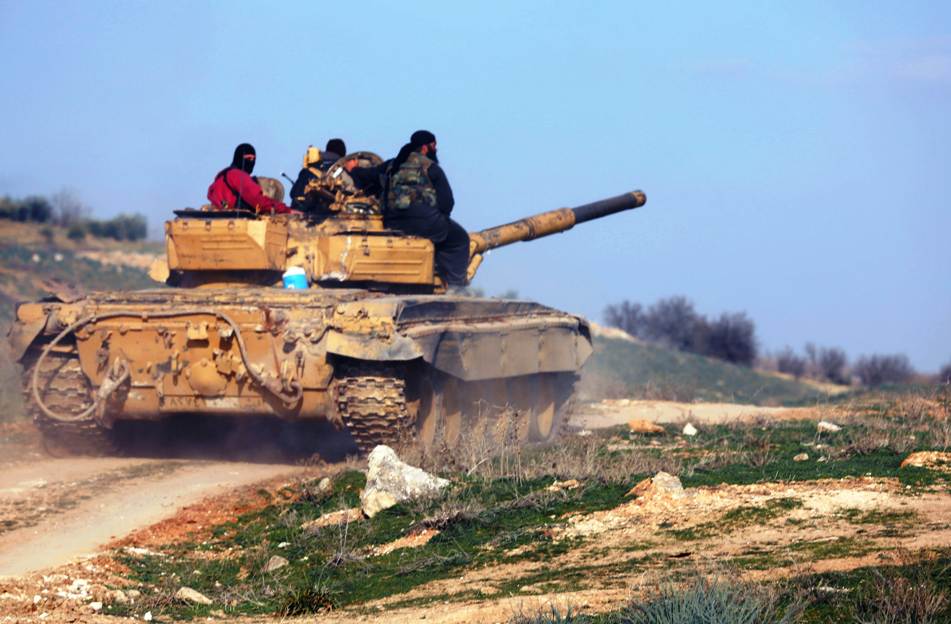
<point>811,503</point>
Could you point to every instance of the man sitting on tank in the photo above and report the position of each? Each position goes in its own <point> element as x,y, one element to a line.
<point>417,200</point>
<point>313,204</point>
<point>235,189</point>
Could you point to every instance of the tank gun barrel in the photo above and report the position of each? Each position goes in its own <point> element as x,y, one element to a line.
<point>552,222</point>
<point>545,223</point>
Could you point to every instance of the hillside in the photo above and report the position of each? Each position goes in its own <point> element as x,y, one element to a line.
<point>625,367</point>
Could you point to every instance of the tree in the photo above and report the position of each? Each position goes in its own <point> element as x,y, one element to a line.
<point>787,361</point>
<point>944,375</point>
<point>877,370</point>
<point>833,365</point>
<point>627,316</point>
<point>68,208</point>
<point>675,322</point>
<point>732,337</point>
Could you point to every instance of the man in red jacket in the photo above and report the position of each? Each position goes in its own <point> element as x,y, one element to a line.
<point>235,189</point>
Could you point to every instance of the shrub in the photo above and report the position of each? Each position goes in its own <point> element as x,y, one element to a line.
<point>876,370</point>
<point>944,375</point>
<point>832,365</point>
<point>627,316</point>
<point>788,362</point>
<point>675,322</point>
<point>732,337</point>
<point>894,599</point>
<point>708,601</point>
<point>76,231</point>
<point>34,209</point>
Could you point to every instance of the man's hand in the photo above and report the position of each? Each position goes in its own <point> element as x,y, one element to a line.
<point>350,165</point>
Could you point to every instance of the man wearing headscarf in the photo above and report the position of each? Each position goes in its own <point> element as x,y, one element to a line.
<point>335,150</point>
<point>235,189</point>
<point>417,199</point>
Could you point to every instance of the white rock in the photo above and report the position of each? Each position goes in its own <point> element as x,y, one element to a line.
<point>390,481</point>
<point>690,430</point>
<point>801,457</point>
<point>826,426</point>
<point>325,486</point>
<point>276,562</point>
<point>283,544</point>
<point>95,606</point>
<point>187,594</point>
<point>148,616</point>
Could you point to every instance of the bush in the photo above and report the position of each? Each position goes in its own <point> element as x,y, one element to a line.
<point>892,598</point>
<point>944,375</point>
<point>788,362</point>
<point>832,365</point>
<point>31,209</point>
<point>674,321</point>
<point>709,602</point>
<point>627,316</point>
<point>732,338</point>
<point>76,232</point>
<point>877,370</point>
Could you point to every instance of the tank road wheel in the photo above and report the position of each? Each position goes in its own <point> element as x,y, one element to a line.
<point>65,390</point>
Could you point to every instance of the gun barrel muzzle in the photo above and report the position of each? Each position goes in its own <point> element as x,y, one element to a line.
<point>605,207</point>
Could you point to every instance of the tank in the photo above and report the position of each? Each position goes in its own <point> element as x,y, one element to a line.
<point>375,345</point>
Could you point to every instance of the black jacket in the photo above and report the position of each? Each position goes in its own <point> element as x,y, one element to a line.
<point>372,180</point>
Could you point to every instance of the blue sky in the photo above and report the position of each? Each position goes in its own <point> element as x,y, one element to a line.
<point>795,155</point>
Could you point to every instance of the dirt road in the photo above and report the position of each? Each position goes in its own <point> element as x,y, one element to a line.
<point>57,510</point>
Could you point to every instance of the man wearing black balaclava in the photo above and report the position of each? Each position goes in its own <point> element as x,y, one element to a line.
<point>417,199</point>
<point>235,189</point>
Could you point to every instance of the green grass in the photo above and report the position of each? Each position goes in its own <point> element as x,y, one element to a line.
<point>623,368</point>
<point>479,523</point>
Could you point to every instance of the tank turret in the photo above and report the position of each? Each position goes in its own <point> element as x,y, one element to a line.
<point>346,244</point>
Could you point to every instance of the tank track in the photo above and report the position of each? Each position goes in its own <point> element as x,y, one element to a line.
<point>371,399</point>
<point>66,390</point>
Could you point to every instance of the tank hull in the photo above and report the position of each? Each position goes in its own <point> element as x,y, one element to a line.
<point>349,356</point>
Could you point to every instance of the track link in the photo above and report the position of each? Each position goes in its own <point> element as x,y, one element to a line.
<point>65,389</point>
<point>371,399</point>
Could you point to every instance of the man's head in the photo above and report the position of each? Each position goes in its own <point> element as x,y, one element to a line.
<point>424,142</point>
<point>337,146</point>
<point>244,157</point>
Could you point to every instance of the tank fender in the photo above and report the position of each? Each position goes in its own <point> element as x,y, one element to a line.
<point>363,347</point>
<point>30,322</point>
<point>366,330</point>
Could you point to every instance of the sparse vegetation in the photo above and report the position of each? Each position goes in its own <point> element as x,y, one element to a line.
<point>503,510</point>
<point>709,600</point>
<point>67,211</point>
<point>675,323</point>
<point>650,371</point>
<point>878,370</point>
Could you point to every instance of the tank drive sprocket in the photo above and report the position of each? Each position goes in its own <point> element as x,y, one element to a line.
<point>65,389</point>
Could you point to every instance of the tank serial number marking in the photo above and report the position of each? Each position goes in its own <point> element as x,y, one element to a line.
<point>215,403</point>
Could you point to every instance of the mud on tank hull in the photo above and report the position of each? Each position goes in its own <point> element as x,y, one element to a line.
<point>436,367</point>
